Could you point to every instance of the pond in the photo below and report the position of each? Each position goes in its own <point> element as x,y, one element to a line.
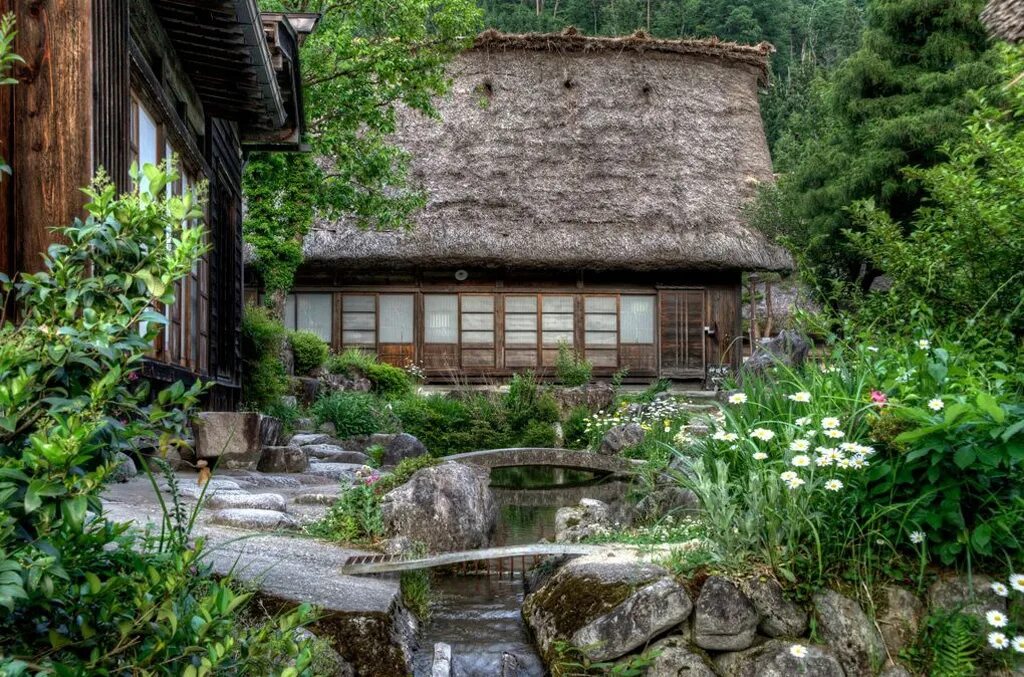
<point>478,612</point>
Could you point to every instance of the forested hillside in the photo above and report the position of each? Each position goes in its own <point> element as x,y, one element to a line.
<point>808,34</point>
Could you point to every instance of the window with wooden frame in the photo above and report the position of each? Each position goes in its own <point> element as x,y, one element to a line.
<point>359,321</point>
<point>476,320</point>
<point>521,330</point>
<point>312,312</point>
<point>636,319</point>
<point>441,319</point>
<point>601,330</point>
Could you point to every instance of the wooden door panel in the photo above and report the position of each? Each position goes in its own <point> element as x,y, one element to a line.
<point>682,332</point>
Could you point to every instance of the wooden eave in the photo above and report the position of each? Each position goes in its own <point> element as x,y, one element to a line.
<point>224,49</point>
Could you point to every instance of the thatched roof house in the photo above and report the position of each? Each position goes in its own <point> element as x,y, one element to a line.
<point>580,190</point>
<point>1005,19</point>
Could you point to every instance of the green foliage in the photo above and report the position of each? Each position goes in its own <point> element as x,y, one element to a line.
<point>449,426</point>
<point>351,413</point>
<point>310,351</point>
<point>572,661</point>
<point>82,595</point>
<point>354,518</point>
<point>572,368</point>
<point>950,642</point>
<point>359,66</point>
<point>415,587</point>
<point>575,429</point>
<point>526,405</point>
<point>7,61</point>
<point>962,253</point>
<point>375,452</point>
<point>893,103</point>
<point>388,380</point>
<point>264,379</point>
<point>538,434</point>
<point>405,469</point>
<point>352,362</point>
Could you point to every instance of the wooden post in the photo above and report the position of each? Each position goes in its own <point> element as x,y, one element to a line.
<point>52,114</point>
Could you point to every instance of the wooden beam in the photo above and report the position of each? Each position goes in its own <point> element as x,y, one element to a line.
<point>52,156</point>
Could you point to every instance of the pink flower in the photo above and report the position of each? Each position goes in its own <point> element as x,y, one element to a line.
<point>133,376</point>
<point>372,478</point>
<point>879,398</point>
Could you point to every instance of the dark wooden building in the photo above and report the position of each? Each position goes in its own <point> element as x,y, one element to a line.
<point>110,82</point>
<point>586,191</point>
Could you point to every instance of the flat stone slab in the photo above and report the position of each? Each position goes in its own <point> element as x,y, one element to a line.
<point>273,502</point>
<point>253,519</point>
<point>268,480</point>
<point>191,488</point>
<point>315,499</point>
<point>334,470</point>
<point>334,453</point>
<point>308,439</point>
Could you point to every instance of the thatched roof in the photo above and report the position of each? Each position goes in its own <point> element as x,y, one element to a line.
<point>1005,19</point>
<point>563,151</point>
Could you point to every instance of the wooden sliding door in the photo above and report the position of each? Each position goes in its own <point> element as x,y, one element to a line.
<point>682,333</point>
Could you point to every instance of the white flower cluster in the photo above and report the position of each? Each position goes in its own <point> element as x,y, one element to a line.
<point>998,639</point>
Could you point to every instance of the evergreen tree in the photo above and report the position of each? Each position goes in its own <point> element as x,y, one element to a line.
<point>890,105</point>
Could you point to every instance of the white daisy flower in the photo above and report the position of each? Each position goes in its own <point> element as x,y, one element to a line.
<point>917,537</point>
<point>719,435</point>
<point>1017,582</point>
<point>865,450</point>
<point>731,437</point>
<point>787,476</point>
<point>760,456</point>
<point>801,461</point>
<point>858,462</point>
<point>834,485</point>
<point>738,398</point>
<point>935,404</point>
<point>762,434</point>
<point>830,422</point>
<point>794,483</point>
<point>834,434</point>
<point>803,420</point>
<point>811,432</point>
<point>997,619</point>
<point>802,396</point>
<point>843,462</point>
<point>873,349</point>
<point>924,344</point>
<point>799,445</point>
<point>849,446</point>
<point>998,641</point>
<point>1018,643</point>
<point>798,651</point>
<point>1000,589</point>
<point>822,461</point>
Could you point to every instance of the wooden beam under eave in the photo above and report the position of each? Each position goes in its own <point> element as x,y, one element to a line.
<point>52,117</point>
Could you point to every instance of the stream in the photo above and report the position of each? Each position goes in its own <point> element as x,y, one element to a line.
<point>478,612</point>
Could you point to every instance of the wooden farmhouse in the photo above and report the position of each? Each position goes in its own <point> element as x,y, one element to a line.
<point>587,191</point>
<point>110,82</point>
<point>1005,19</point>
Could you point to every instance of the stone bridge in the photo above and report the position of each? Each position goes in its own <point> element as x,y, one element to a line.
<point>555,458</point>
<point>385,564</point>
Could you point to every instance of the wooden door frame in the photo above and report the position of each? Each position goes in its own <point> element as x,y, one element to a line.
<point>683,373</point>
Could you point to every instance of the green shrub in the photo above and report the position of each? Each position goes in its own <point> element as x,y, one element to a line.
<point>448,426</point>
<point>571,368</point>
<point>351,413</point>
<point>389,381</point>
<point>405,469</point>
<point>352,362</point>
<point>264,379</point>
<point>288,414</point>
<point>574,430</point>
<point>355,517</point>
<point>80,594</point>
<point>537,434</point>
<point>310,351</point>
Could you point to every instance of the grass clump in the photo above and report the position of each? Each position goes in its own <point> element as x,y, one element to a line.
<point>571,368</point>
<point>351,413</point>
<point>310,351</point>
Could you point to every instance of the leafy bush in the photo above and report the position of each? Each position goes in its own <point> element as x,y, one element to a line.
<point>351,413</point>
<point>82,595</point>
<point>538,434</point>
<point>574,429</point>
<point>571,368</point>
<point>310,351</point>
<point>264,379</point>
<point>352,362</point>
<point>405,469</point>
<point>389,381</point>
<point>354,518</point>
<point>448,426</point>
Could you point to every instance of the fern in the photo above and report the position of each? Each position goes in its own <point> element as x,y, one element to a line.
<point>953,644</point>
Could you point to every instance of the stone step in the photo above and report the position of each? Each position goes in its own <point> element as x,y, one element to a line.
<point>191,489</point>
<point>334,470</point>
<point>335,454</point>
<point>307,439</point>
<point>253,519</point>
<point>289,459</point>
<point>316,499</point>
<point>273,502</point>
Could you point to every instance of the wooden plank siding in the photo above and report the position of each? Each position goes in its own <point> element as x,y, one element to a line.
<point>507,336</point>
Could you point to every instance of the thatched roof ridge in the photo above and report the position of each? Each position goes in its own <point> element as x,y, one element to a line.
<point>598,157</point>
<point>571,40</point>
<point>1005,19</point>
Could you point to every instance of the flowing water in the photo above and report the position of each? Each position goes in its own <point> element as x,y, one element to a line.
<point>478,612</point>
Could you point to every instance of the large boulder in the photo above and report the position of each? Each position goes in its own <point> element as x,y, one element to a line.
<point>724,619</point>
<point>668,500</point>
<point>232,440</point>
<point>777,658</point>
<point>590,518</point>
<point>334,454</point>
<point>900,618</point>
<point>364,442</point>
<point>401,447</point>
<point>620,438</point>
<point>971,595</point>
<point>779,616</point>
<point>848,631</point>
<point>604,607</point>
<point>675,658</point>
<point>788,349</point>
<point>343,382</point>
<point>448,507</point>
<point>283,460</point>
<point>594,396</point>
<point>125,468</point>
<point>310,439</point>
